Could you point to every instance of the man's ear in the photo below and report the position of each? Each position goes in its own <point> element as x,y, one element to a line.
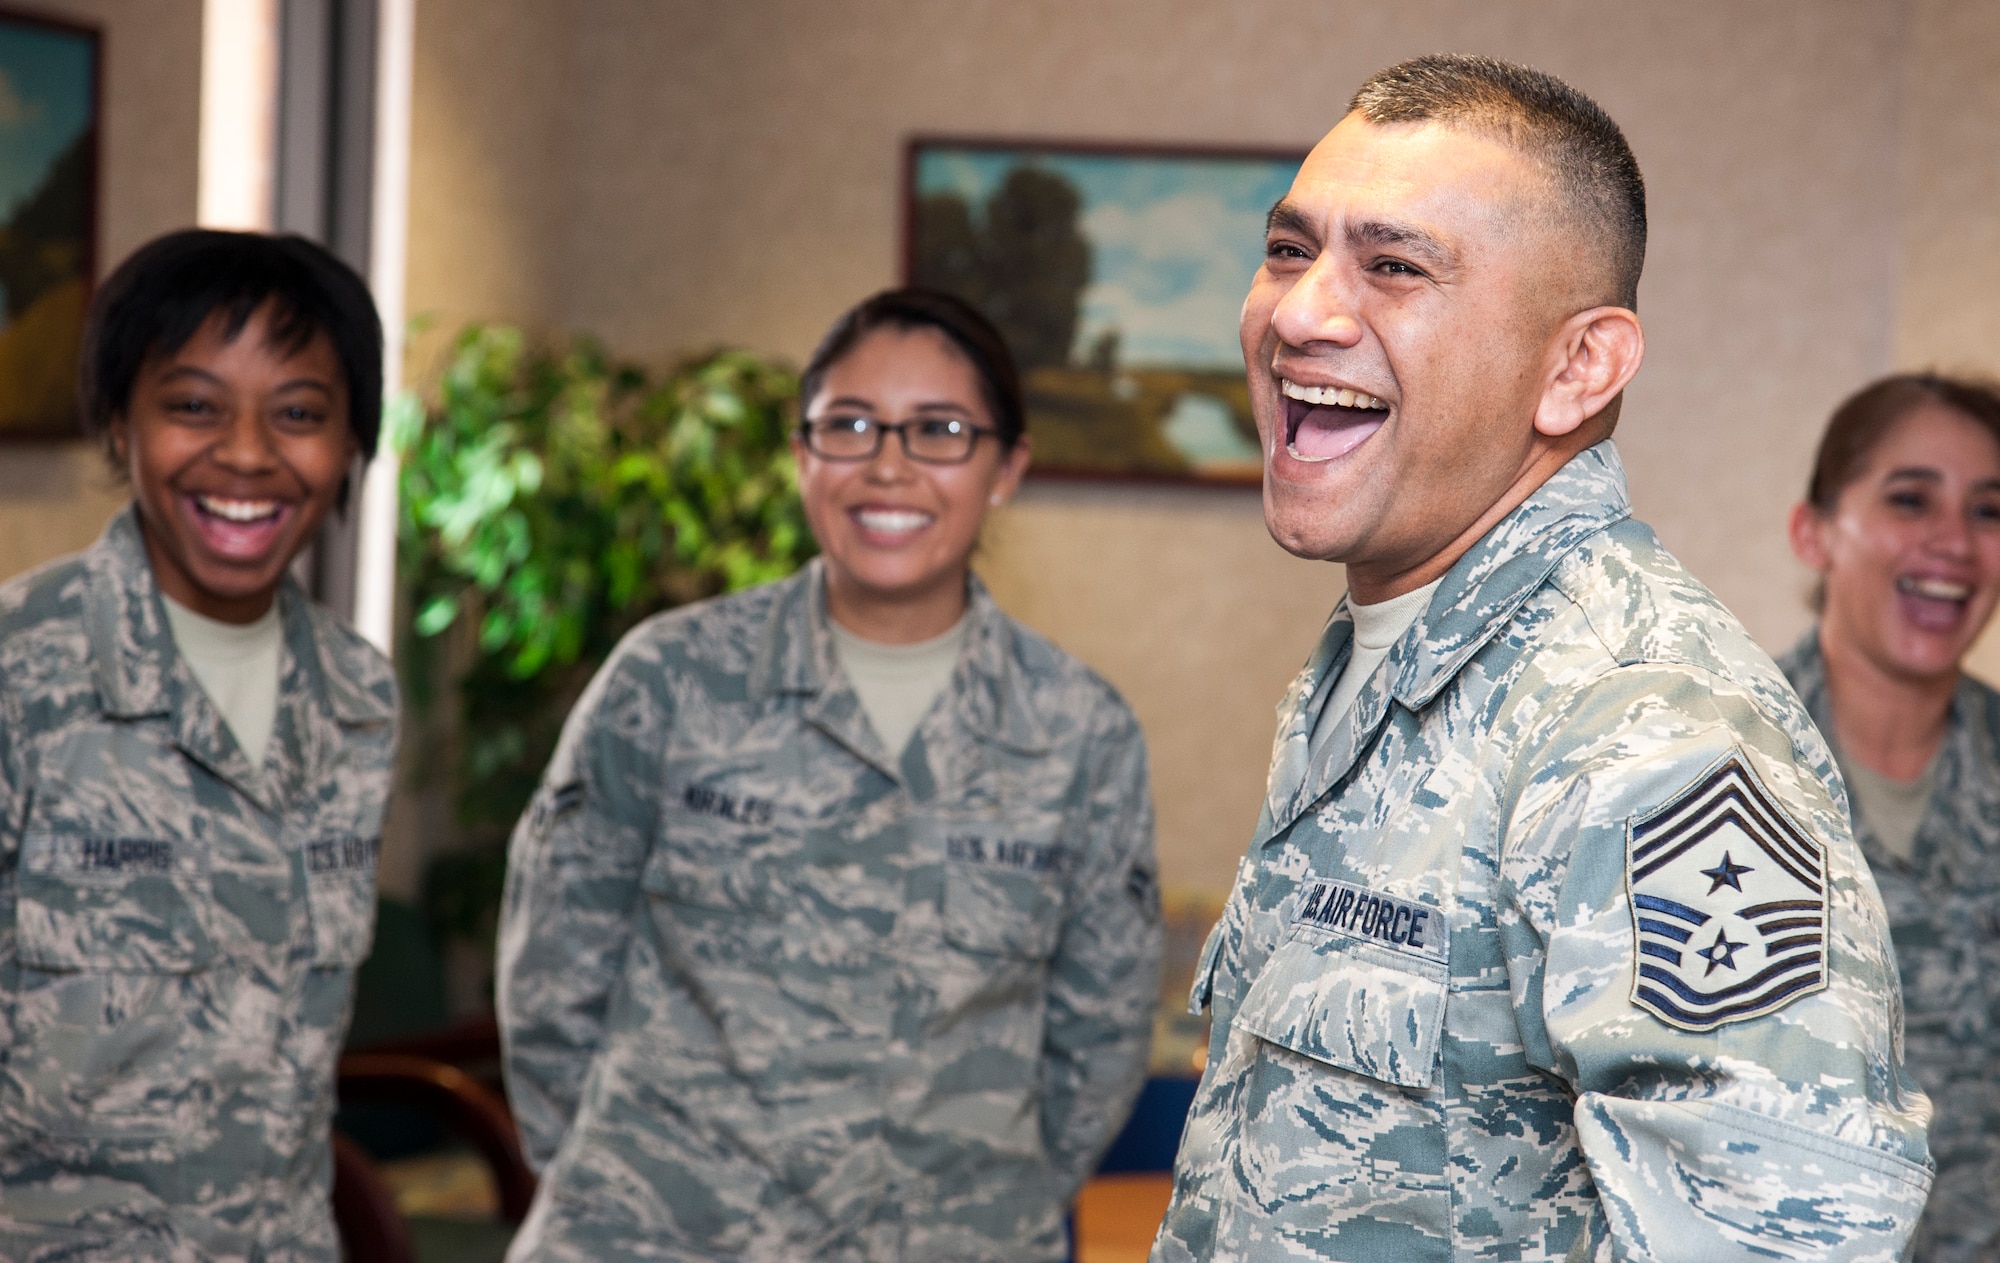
<point>120,432</point>
<point>1807,531</point>
<point>1596,353</point>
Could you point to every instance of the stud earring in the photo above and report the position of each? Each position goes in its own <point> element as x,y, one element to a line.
<point>995,500</point>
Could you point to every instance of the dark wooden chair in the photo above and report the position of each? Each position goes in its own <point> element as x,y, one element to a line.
<point>370,1226</point>
<point>467,1108</point>
<point>364,1211</point>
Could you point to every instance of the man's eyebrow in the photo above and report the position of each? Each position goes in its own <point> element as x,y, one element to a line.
<point>1405,237</point>
<point>1285,217</point>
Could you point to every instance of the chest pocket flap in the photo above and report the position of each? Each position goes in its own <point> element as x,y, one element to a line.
<point>1003,889</point>
<point>724,849</point>
<point>1001,913</point>
<point>340,876</point>
<point>1350,1004</point>
<point>124,905</point>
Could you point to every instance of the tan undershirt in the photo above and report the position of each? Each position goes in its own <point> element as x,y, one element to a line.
<point>1892,809</point>
<point>898,683</point>
<point>1377,628</point>
<point>236,664</point>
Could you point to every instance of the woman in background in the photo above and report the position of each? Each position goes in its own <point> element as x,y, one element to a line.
<point>833,932</point>
<point>1902,522</point>
<point>194,766</point>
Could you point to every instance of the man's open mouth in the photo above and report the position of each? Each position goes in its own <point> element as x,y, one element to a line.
<point>1325,422</point>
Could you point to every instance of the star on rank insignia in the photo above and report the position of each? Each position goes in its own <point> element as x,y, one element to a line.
<point>1729,903</point>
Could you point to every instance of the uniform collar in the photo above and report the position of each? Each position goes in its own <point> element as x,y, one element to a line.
<point>1804,665</point>
<point>796,656</point>
<point>1476,598</point>
<point>131,647</point>
<point>1964,746</point>
<point>1506,567</point>
<point>139,672</point>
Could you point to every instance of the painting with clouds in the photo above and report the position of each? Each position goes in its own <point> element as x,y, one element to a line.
<point>1117,276</point>
<point>48,178</point>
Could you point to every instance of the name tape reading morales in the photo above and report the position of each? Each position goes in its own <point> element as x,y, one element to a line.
<point>1405,925</point>
<point>706,800</point>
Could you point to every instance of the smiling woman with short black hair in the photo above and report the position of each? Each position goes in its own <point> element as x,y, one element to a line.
<point>194,765</point>
<point>834,932</point>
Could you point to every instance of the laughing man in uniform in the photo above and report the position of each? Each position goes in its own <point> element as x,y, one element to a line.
<point>1553,941</point>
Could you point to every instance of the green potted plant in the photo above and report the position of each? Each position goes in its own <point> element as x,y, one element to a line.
<point>552,498</point>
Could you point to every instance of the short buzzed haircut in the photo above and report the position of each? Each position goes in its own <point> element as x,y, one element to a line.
<point>1567,133</point>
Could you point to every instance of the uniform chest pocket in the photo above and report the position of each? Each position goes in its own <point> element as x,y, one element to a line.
<point>724,851</point>
<point>340,885</point>
<point>1003,895</point>
<point>113,905</point>
<point>1351,1004</point>
<point>115,941</point>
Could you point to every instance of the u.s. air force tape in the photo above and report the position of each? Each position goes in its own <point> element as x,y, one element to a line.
<point>1404,925</point>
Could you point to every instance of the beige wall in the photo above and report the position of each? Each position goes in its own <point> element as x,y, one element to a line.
<point>55,497</point>
<point>490,177</point>
<point>676,173</point>
<point>1948,287</point>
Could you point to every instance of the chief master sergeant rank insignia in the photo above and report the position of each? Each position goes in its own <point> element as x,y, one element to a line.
<point>1729,903</point>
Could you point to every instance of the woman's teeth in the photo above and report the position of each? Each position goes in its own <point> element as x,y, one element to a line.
<point>1336,396</point>
<point>892,521</point>
<point>1935,589</point>
<point>238,510</point>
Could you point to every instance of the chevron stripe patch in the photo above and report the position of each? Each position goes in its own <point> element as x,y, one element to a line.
<point>1729,903</point>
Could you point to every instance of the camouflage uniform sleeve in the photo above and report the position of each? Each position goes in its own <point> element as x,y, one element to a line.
<point>13,794</point>
<point>572,881</point>
<point>1778,1118</point>
<point>1105,979</point>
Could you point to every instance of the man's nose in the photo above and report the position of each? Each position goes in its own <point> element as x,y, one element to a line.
<point>1319,310</point>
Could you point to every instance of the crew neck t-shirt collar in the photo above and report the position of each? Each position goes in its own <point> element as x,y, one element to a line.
<point>897,684</point>
<point>236,664</point>
<point>1377,628</point>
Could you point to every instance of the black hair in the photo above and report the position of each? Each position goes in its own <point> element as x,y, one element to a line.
<point>1576,142</point>
<point>163,293</point>
<point>914,308</point>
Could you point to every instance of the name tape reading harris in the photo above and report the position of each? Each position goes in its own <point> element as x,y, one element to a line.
<point>1404,925</point>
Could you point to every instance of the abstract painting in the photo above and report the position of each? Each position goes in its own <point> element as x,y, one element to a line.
<point>48,215</point>
<point>1116,274</point>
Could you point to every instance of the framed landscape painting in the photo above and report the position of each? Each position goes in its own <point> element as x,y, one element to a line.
<point>48,218</point>
<point>1117,274</point>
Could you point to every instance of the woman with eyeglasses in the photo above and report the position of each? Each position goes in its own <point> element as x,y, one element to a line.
<point>1902,523</point>
<point>833,932</point>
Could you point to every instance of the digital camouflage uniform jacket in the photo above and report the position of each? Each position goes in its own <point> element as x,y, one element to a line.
<point>1557,947</point>
<point>178,930</point>
<point>1944,917</point>
<point>768,994</point>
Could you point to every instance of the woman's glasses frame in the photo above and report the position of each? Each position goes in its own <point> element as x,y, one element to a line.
<point>815,432</point>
